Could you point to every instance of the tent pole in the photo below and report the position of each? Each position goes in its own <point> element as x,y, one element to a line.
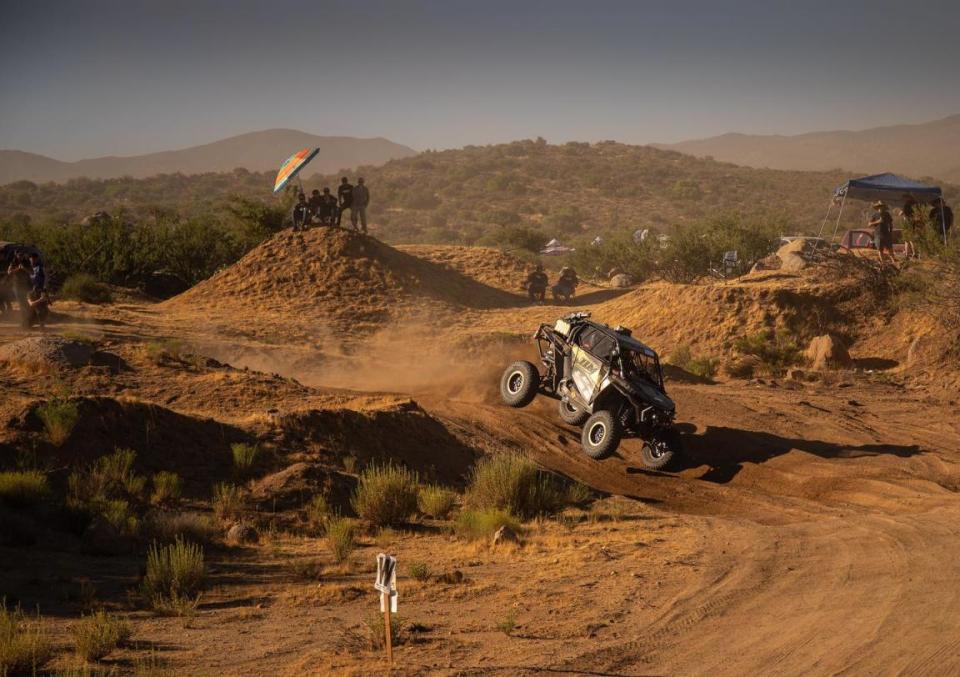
<point>822,224</point>
<point>839,214</point>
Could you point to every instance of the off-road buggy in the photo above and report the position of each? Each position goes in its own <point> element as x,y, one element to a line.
<point>606,381</point>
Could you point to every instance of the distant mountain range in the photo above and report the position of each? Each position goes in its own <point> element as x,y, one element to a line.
<point>256,151</point>
<point>928,149</point>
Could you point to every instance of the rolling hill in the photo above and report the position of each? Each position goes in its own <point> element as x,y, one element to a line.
<point>928,149</point>
<point>256,151</point>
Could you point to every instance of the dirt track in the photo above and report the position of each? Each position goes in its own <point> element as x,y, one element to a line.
<point>815,529</point>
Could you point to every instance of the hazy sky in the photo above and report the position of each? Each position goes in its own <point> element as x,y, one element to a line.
<point>81,78</point>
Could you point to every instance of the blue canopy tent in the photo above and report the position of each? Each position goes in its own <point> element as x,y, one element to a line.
<point>889,188</point>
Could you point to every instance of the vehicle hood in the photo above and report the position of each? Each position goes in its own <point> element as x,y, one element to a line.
<point>654,396</point>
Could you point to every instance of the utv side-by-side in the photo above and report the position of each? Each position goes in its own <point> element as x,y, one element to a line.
<point>606,381</point>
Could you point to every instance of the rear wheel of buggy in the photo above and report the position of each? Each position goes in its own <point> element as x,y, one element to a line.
<point>519,384</point>
<point>572,414</point>
<point>662,450</point>
<point>601,435</point>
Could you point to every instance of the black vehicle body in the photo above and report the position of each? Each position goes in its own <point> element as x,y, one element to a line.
<point>605,380</point>
<point>9,293</point>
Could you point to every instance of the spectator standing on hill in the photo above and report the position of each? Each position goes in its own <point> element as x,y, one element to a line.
<point>882,223</point>
<point>942,217</point>
<point>301,213</point>
<point>327,210</point>
<point>345,197</point>
<point>38,301</point>
<point>361,198</point>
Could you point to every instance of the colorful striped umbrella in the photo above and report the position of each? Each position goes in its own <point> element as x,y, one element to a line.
<point>292,166</point>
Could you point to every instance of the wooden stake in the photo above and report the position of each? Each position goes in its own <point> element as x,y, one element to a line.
<point>386,625</point>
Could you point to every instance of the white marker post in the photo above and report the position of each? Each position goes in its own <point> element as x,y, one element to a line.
<point>386,583</point>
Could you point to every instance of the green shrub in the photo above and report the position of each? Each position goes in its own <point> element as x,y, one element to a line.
<point>476,525</point>
<point>436,501</point>
<point>175,575</point>
<point>159,352</point>
<point>420,571</point>
<point>85,287</point>
<point>386,495</point>
<point>228,501</point>
<point>119,514</point>
<point>318,512</point>
<point>705,367</point>
<point>510,481</point>
<point>97,635</point>
<point>59,418</point>
<point>244,456</point>
<point>167,488</point>
<point>341,537</point>
<point>508,623</point>
<point>376,629</point>
<point>775,350</point>
<point>24,648</point>
<point>20,489</point>
<point>195,527</point>
<point>110,477</point>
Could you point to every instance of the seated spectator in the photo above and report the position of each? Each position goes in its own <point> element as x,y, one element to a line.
<point>301,213</point>
<point>327,209</point>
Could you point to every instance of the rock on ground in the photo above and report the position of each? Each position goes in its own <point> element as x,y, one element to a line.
<point>242,533</point>
<point>505,535</point>
<point>622,280</point>
<point>828,351</point>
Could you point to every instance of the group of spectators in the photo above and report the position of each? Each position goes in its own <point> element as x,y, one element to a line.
<point>326,210</point>
<point>25,284</point>
<point>939,218</point>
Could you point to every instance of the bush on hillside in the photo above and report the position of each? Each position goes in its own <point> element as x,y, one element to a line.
<point>85,287</point>
<point>386,495</point>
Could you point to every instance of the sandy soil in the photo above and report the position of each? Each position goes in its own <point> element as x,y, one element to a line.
<point>813,529</point>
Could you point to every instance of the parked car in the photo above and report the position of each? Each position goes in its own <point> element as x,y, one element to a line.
<point>862,242</point>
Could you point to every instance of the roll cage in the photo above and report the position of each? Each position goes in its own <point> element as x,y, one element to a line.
<point>614,346</point>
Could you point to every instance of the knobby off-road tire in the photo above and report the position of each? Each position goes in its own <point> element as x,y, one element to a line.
<point>571,414</point>
<point>663,450</point>
<point>601,435</point>
<point>519,384</point>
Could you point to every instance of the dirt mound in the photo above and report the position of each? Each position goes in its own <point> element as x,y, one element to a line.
<point>710,317</point>
<point>54,352</point>
<point>330,282</point>
<point>488,265</point>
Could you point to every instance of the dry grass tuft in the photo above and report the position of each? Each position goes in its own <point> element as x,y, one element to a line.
<point>167,488</point>
<point>59,417</point>
<point>24,648</point>
<point>227,501</point>
<point>21,489</point>
<point>341,537</point>
<point>174,578</point>
<point>386,495</point>
<point>97,635</point>
<point>436,501</point>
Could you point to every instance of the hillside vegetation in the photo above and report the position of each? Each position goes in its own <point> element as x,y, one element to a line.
<point>516,196</point>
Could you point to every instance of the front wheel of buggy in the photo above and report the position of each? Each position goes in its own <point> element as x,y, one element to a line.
<point>662,450</point>
<point>519,384</point>
<point>601,435</point>
<point>572,414</point>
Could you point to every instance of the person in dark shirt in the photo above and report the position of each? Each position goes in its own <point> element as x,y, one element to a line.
<point>345,197</point>
<point>361,198</point>
<point>314,202</point>
<point>38,302</point>
<point>941,216</point>
<point>536,284</point>
<point>301,213</point>
<point>327,209</point>
<point>882,224</point>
